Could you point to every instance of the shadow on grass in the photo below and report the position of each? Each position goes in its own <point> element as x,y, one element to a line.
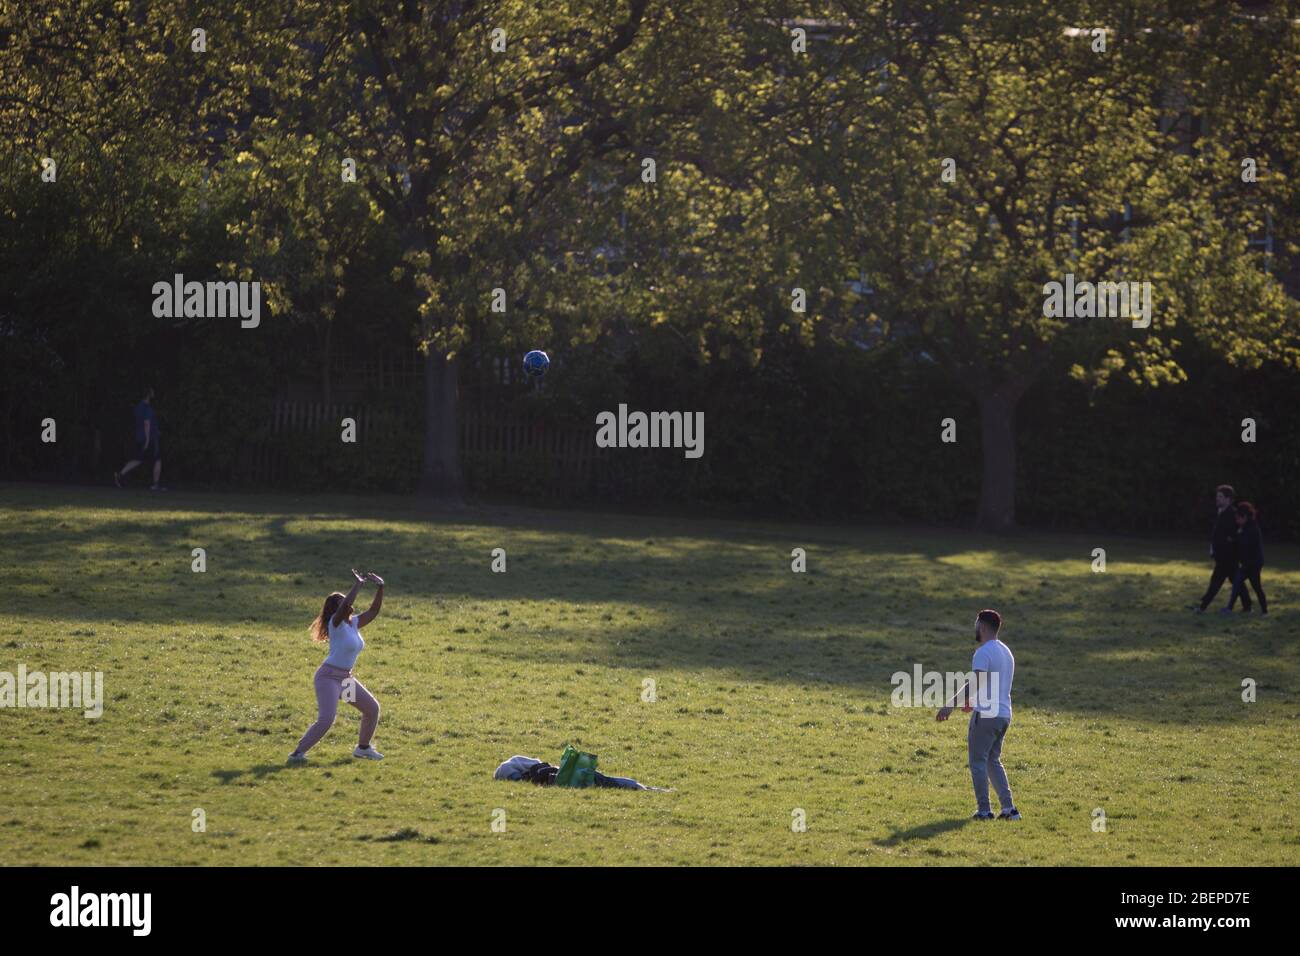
<point>702,596</point>
<point>259,771</point>
<point>262,770</point>
<point>925,831</point>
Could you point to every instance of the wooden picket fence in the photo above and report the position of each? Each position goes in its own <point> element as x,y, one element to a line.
<point>568,454</point>
<point>513,455</point>
<point>497,449</point>
<point>290,416</point>
<point>265,461</point>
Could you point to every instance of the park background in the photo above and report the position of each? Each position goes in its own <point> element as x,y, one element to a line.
<point>774,169</point>
<point>795,146</point>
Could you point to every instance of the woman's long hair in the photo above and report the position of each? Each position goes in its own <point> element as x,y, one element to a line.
<point>320,631</point>
<point>1247,511</point>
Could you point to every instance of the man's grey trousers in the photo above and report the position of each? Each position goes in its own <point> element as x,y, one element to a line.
<point>984,753</point>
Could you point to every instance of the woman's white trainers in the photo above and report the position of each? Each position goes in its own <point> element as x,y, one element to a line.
<point>297,758</point>
<point>367,753</point>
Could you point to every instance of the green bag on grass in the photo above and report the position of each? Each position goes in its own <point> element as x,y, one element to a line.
<point>577,769</point>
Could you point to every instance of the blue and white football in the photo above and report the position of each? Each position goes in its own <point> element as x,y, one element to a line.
<point>536,363</point>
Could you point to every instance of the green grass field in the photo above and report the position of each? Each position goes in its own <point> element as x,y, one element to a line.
<point>773,690</point>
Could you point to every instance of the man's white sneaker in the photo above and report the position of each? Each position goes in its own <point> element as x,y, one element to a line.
<point>367,753</point>
<point>297,758</point>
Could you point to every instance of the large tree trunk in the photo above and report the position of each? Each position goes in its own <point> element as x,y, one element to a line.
<point>441,476</point>
<point>997,507</point>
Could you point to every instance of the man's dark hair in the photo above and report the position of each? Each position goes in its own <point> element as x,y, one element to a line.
<point>992,618</point>
<point>1227,491</point>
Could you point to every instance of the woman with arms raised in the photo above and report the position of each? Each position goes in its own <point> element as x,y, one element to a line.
<point>342,629</point>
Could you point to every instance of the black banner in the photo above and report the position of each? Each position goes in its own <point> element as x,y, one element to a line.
<point>926,907</point>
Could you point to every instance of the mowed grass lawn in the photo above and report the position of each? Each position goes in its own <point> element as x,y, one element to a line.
<point>773,689</point>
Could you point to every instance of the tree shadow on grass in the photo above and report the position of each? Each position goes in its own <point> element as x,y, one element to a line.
<point>925,831</point>
<point>646,594</point>
<point>937,542</point>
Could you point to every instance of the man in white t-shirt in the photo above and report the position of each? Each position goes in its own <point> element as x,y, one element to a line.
<point>994,668</point>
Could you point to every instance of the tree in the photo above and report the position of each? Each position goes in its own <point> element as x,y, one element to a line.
<point>422,95</point>
<point>1062,159</point>
<point>90,196</point>
<point>300,227</point>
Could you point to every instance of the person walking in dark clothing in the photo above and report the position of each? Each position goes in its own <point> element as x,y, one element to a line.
<point>146,441</point>
<point>1250,554</point>
<point>1223,547</point>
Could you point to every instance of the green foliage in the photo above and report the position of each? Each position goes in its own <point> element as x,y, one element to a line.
<point>522,169</point>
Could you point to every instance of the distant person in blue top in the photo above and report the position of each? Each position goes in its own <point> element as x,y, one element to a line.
<point>146,442</point>
<point>994,668</point>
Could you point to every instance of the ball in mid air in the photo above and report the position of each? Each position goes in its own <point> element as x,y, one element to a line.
<point>536,363</point>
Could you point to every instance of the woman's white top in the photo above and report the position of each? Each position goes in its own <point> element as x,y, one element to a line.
<point>345,643</point>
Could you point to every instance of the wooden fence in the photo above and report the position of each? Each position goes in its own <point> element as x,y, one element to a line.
<point>290,416</point>
<point>496,448</point>
<point>568,454</point>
